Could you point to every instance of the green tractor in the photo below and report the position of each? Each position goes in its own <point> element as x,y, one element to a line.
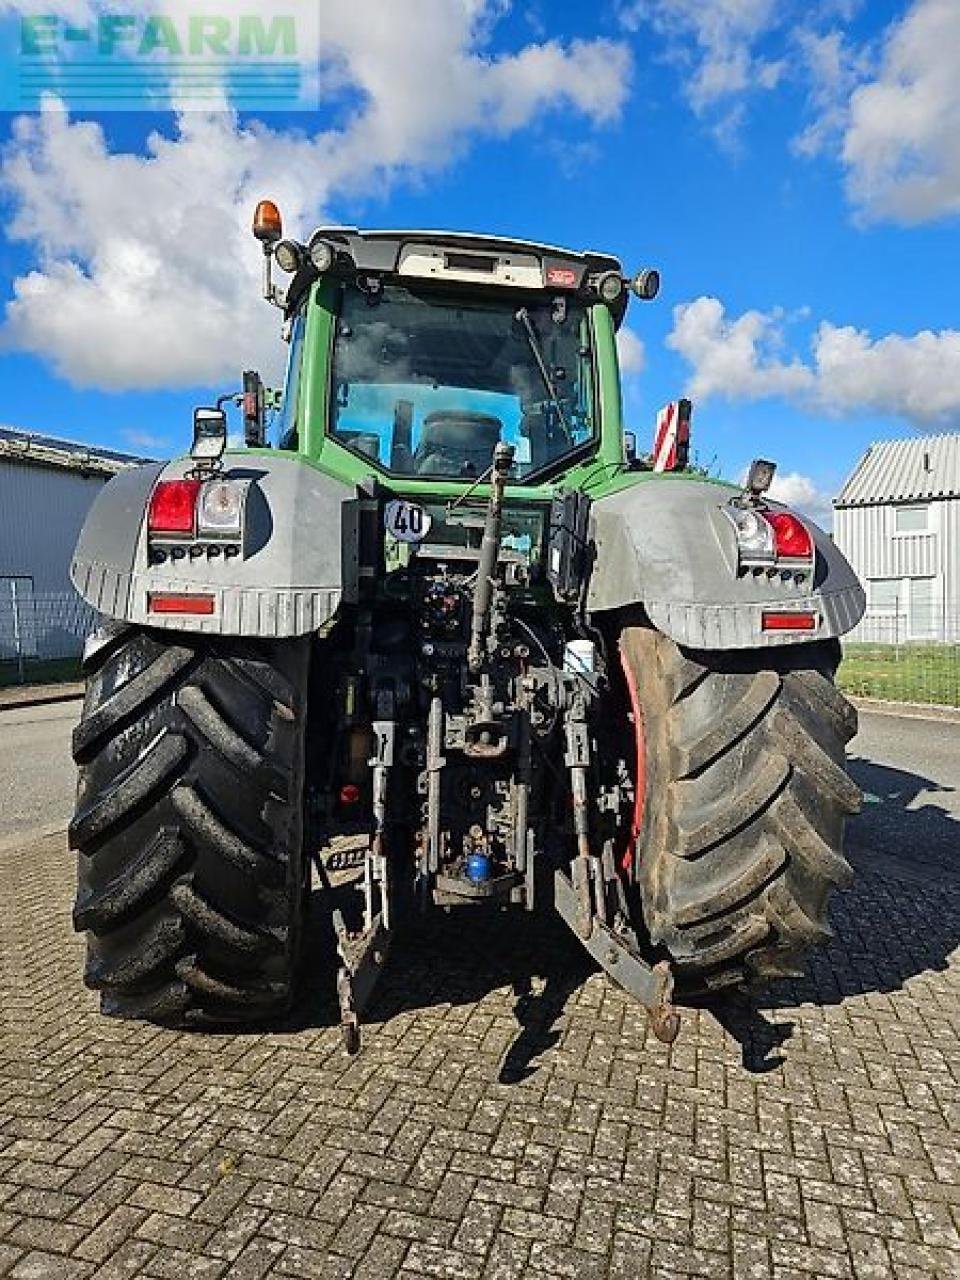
<point>448,639</point>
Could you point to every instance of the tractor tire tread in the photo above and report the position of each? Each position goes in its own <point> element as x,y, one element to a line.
<point>98,909</point>
<point>747,795</point>
<point>189,826</point>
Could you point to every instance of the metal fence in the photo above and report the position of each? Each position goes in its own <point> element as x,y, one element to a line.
<point>41,635</point>
<point>904,655</point>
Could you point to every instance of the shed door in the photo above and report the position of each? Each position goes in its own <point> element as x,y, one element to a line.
<point>18,621</point>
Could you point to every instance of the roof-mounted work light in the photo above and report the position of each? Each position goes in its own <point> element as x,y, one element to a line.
<point>289,255</point>
<point>646,284</point>
<point>322,255</point>
<point>610,287</point>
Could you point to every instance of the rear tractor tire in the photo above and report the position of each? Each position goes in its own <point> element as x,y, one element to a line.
<point>189,826</point>
<point>742,799</point>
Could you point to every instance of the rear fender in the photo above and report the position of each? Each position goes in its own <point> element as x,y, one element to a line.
<point>300,558</point>
<point>666,545</point>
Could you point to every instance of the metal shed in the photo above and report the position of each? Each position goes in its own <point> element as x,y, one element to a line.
<point>897,520</point>
<point>46,488</point>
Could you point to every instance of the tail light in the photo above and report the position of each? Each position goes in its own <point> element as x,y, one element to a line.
<point>790,535</point>
<point>173,507</point>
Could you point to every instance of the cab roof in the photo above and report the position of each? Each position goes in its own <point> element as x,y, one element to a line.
<point>467,239</point>
<point>475,259</point>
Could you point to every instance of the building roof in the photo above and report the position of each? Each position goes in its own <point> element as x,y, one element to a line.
<point>69,455</point>
<point>921,467</point>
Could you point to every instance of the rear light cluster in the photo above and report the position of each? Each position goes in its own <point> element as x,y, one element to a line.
<point>184,510</point>
<point>777,544</point>
<point>772,541</point>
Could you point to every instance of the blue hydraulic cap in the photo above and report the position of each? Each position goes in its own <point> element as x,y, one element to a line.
<point>479,867</point>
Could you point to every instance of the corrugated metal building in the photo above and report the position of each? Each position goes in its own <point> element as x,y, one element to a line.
<point>898,523</point>
<point>46,488</point>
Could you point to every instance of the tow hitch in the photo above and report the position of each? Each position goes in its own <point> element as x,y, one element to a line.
<point>652,985</point>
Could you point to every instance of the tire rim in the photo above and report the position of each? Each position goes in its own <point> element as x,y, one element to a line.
<point>640,767</point>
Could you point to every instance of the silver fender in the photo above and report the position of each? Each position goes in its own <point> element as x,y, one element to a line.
<point>665,544</point>
<point>300,556</point>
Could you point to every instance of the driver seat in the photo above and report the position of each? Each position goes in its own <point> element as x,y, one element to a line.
<point>456,442</point>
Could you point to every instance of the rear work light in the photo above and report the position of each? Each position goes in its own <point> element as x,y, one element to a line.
<point>170,602</point>
<point>173,507</point>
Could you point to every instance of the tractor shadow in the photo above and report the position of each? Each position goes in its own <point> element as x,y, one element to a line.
<point>900,919</point>
<point>457,960</point>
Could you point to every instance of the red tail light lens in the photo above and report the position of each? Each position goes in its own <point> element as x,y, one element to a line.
<point>792,621</point>
<point>791,536</point>
<point>165,602</point>
<point>173,507</point>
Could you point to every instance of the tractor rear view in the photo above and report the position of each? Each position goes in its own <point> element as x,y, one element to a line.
<point>446,641</point>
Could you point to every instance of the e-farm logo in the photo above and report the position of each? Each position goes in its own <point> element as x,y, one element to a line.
<point>193,58</point>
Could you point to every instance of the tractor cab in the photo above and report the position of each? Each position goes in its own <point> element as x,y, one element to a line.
<point>414,353</point>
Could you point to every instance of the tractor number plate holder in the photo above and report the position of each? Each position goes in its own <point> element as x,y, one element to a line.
<point>652,985</point>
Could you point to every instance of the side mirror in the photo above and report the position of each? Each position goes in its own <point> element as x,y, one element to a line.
<point>254,410</point>
<point>209,434</point>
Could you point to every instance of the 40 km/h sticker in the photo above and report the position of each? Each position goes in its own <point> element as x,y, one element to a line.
<point>406,521</point>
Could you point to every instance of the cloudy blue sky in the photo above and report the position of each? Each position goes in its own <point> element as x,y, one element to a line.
<point>791,166</point>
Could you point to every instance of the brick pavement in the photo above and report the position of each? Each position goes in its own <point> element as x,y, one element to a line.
<point>482,1135</point>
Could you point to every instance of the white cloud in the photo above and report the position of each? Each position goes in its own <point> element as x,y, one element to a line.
<point>138,439</point>
<point>631,352</point>
<point>834,67</point>
<point>714,43</point>
<point>916,377</point>
<point>734,358</point>
<point>902,143</point>
<point>802,494</point>
<point>146,274</point>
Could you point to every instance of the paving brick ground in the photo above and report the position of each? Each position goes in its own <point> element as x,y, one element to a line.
<point>486,1134</point>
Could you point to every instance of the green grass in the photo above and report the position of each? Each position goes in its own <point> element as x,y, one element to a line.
<point>48,671</point>
<point>902,673</point>
<point>898,673</point>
